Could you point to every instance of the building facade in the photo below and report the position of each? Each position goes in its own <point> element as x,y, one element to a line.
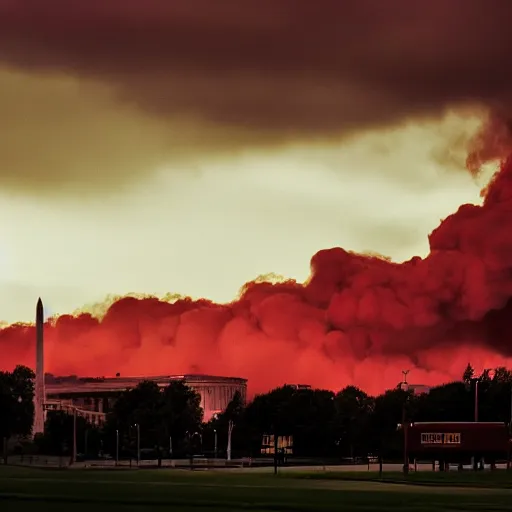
<point>415,389</point>
<point>98,394</point>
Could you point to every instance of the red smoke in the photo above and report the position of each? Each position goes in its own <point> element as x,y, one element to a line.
<point>359,319</point>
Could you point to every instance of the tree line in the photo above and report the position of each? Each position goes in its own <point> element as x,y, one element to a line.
<point>169,422</point>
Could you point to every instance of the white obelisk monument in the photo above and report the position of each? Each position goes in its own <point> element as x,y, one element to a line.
<point>40,395</point>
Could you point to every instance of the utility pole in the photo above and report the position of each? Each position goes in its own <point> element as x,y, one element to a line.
<point>190,452</point>
<point>117,447</point>
<point>510,409</point>
<point>405,429</point>
<point>405,387</point>
<point>476,400</point>
<point>137,426</point>
<point>276,447</point>
<point>73,455</point>
<point>230,431</point>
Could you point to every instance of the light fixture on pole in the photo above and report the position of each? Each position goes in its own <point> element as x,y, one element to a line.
<point>137,426</point>
<point>73,456</point>
<point>117,447</point>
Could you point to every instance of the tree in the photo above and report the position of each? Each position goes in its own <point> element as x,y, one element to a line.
<point>222,426</point>
<point>486,375</point>
<point>502,376</point>
<point>449,402</point>
<point>269,413</point>
<point>183,411</point>
<point>468,374</point>
<point>161,415</point>
<point>313,413</point>
<point>235,408</point>
<point>305,414</point>
<point>16,404</point>
<point>388,410</point>
<point>353,412</point>
<point>233,413</point>
<point>58,435</point>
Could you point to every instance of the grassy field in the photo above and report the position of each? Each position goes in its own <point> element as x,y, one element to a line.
<point>137,491</point>
<point>495,479</point>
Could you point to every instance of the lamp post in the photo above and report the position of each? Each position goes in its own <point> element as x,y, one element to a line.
<point>170,447</point>
<point>405,387</point>
<point>230,431</point>
<point>510,425</point>
<point>215,442</point>
<point>73,455</point>
<point>137,427</point>
<point>117,447</point>
<point>190,437</point>
<point>476,380</point>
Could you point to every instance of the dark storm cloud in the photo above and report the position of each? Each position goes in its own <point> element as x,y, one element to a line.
<point>273,70</point>
<point>298,65</point>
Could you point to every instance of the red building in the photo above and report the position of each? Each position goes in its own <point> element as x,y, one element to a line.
<point>458,442</point>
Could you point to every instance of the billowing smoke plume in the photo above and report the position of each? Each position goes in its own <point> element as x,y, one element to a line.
<point>359,319</point>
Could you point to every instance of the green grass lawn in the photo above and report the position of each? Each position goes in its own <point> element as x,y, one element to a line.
<point>488,479</point>
<point>140,490</point>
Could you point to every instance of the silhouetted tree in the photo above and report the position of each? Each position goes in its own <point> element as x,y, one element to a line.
<point>227,425</point>
<point>58,436</point>
<point>468,374</point>
<point>160,414</point>
<point>384,437</point>
<point>350,423</point>
<point>16,404</point>
<point>353,412</point>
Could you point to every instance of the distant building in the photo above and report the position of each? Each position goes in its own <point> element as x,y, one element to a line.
<point>98,394</point>
<point>284,445</point>
<point>299,386</point>
<point>416,389</point>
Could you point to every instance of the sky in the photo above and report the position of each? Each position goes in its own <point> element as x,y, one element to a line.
<point>189,147</point>
<point>206,231</point>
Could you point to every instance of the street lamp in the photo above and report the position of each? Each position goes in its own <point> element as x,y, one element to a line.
<point>230,431</point>
<point>215,442</point>
<point>117,447</point>
<point>190,437</point>
<point>510,424</point>
<point>73,456</point>
<point>405,387</point>
<point>476,381</point>
<point>137,426</point>
<point>405,427</point>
